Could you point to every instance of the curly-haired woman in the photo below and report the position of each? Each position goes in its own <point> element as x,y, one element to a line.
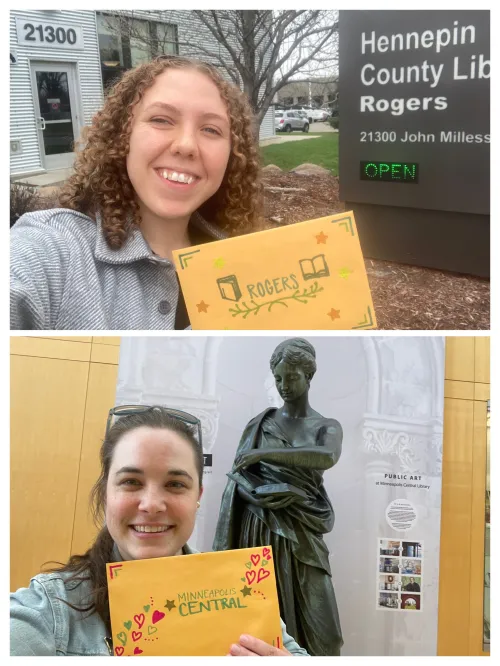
<point>170,161</point>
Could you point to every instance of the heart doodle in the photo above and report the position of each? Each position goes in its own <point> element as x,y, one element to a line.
<point>263,573</point>
<point>137,650</point>
<point>157,616</point>
<point>122,637</point>
<point>146,608</point>
<point>264,562</point>
<point>255,559</point>
<point>139,619</point>
<point>119,651</point>
<point>128,625</point>
<point>248,565</point>
<point>152,630</point>
<point>250,576</point>
<point>136,635</point>
<point>266,553</point>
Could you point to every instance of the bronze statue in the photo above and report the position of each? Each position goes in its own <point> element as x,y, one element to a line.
<point>275,496</point>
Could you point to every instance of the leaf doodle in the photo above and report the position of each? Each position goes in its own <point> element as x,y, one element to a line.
<point>122,637</point>
<point>152,630</point>
<point>248,565</point>
<point>264,562</point>
<point>146,608</point>
<point>296,296</point>
<point>128,625</point>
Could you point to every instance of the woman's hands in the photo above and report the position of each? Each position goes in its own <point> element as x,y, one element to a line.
<point>249,646</point>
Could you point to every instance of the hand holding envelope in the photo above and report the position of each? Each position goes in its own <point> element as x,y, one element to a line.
<point>198,604</point>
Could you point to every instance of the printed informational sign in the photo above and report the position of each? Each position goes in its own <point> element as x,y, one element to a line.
<point>309,275</point>
<point>53,35</point>
<point>415,108</point>
<point>193,605</point>
<point>400,575</point>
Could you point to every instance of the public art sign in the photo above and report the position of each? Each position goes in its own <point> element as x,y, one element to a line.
<point>309,275</point>
<point>194,605</point>
<point>415,110</point>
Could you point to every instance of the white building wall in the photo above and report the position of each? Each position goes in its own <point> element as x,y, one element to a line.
<point>89,82</point>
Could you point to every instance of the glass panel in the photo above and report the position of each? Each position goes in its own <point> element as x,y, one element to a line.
<point>166,38</point>
<point>486,611</point>
<point>140,42</point>
<point>110,44</point>
<point>53,95</point>
<point>55,105</point>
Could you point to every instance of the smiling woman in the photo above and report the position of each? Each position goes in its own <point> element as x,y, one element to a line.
<point>145,502</point>
<point>171,160</point>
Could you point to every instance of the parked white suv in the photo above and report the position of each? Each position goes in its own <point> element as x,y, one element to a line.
<point>287,121</point>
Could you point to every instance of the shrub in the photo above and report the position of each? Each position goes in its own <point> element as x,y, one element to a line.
<point>25,198</point>
<point>334,122</point>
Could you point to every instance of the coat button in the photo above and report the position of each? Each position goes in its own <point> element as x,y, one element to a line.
<point>164,307</point>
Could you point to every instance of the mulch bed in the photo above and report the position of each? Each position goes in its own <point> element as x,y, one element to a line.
<point>405,297</point>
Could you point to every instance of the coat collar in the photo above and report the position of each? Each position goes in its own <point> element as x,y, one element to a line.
<point>136,247</point>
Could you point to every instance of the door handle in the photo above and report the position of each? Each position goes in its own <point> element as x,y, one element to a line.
<point>42,120</point>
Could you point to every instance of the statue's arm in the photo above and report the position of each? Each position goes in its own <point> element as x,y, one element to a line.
<point>330,437</point>
<point>309,457</point>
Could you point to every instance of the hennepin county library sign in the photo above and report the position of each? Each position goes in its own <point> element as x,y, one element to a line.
<point>414,110</point>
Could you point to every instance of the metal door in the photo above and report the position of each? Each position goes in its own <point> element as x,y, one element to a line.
<point>56,110</point>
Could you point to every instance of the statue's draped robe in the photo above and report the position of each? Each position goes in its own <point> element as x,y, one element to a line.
<point>306,596</point>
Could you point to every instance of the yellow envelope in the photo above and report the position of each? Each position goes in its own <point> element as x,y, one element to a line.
<point>309,275</point>
<point>193,604</point>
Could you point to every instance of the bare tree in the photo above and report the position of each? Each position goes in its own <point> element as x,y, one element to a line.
<point>259,50</point>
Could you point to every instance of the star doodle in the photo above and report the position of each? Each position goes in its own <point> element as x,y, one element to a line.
<point>246,591</point>
<point>219,263</point>
<point>170,604</point>
<point>344,273</point>
<point>321,238</point>
<point>202,307</point>
<point>334,314</point>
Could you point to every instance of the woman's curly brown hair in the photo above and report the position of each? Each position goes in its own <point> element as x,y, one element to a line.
<point>100,180</point>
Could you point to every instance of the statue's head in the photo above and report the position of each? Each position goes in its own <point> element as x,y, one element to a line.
<point>293,364</point>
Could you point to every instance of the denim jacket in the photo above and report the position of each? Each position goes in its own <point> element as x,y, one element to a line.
<point>42,625</point>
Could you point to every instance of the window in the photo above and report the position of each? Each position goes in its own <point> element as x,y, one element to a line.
<point>288,101</point>
<point>302,100</point>
<point>126,42</point>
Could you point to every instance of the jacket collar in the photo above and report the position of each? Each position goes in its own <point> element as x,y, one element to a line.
<point>136,247</point>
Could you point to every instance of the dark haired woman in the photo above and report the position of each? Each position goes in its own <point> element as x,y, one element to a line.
<point>151,475</point>
<point>170,161</point>
<point>276,496</point>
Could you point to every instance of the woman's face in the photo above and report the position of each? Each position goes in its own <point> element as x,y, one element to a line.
<point>291,381</point>
<point>153,481</point>
<point>179,144</point>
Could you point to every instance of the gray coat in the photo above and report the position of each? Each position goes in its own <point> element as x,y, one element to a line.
<point>64,276</point>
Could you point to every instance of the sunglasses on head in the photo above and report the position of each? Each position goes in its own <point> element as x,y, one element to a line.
<point>127,410</point>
